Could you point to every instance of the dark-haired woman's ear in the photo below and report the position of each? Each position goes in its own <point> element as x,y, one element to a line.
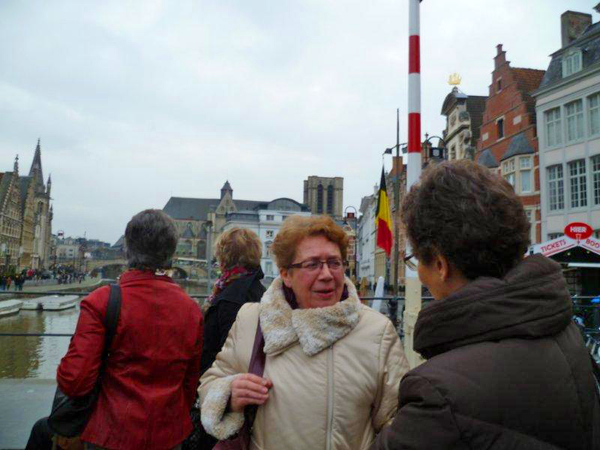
<point>451,278</point>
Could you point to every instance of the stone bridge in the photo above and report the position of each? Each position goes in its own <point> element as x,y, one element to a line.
<point>112,268</point>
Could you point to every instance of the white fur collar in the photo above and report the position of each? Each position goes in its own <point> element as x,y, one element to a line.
<point>315,328</point>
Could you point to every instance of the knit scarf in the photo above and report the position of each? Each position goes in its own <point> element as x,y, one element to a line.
<point>225,280</point>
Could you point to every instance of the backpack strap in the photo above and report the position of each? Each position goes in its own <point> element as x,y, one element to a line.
<point>113,311</point>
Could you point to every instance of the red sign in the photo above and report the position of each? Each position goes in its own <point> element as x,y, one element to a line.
<point>578,230</point>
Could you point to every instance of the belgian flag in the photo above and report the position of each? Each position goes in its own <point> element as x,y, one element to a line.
<point>383,218</point>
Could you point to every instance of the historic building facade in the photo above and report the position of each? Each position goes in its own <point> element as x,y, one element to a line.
<point>266,220</point>
<point>200,221</point>
<point>367,235</point>
<point>324,195</point>
<point>508,140</point>
<point>11,222</point>
<point>568,116</point>
<point>25,217</point>
<point>464,115</point>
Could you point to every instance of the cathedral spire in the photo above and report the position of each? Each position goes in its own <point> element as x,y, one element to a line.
<point>36,166</point>
<point>16,167</point>
<point>49,184</point>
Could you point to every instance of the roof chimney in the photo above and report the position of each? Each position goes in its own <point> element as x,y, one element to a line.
<point>573,24</point>
<point>500,57</point>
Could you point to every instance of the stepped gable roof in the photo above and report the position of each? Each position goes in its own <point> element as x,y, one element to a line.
<point>487,159</point>
<point>182,208</point>
<point>528,79</point>
<point>2,189</point>
<point>588,42</point>
<point>4,184</point>
<point>519,145</point>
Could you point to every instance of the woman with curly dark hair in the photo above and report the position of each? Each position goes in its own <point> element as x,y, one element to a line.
<point>506,368</point>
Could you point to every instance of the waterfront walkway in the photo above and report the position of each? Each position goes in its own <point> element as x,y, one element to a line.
<point>24,401</point>
<point>52,285</point>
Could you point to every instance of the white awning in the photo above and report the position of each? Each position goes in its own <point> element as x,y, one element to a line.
<point>564,243</point>
<point>589,265</point>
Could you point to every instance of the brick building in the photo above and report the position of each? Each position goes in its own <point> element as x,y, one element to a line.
<point>508,138</point>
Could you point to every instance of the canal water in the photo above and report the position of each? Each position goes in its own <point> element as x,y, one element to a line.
<point>38,357</point>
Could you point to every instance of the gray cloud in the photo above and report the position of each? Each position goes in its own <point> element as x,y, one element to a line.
<point>140,100</point>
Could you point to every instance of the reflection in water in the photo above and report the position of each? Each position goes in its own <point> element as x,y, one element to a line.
<point>38,357</point>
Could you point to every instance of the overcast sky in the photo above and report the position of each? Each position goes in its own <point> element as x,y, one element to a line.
<point>138,101</point>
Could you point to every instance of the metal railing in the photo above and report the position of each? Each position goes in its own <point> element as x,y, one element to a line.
<point>588,314</point>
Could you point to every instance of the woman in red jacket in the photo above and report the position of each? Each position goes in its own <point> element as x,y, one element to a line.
<point>152,372</point>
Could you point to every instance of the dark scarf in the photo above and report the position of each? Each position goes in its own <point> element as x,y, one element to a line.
<point>228,276</point>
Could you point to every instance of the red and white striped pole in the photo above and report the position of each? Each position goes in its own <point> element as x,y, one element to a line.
<point>414,94</point>
<point>413,285</point>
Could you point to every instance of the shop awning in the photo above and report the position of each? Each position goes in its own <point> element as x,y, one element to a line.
<point>565,243</point>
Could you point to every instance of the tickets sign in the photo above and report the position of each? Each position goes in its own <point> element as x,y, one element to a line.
<point>565,243</point>
<point>578,231</point>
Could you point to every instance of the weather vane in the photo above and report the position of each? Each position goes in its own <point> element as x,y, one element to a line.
<point>454,79</point>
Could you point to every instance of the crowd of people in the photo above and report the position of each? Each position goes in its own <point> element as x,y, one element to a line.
<point>62,274</point>
<point>305,364</point>
<point>12,279</point>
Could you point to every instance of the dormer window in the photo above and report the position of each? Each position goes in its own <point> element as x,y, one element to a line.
<point>571,63</point>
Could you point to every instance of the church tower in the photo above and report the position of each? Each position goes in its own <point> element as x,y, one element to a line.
<point>36,168</point>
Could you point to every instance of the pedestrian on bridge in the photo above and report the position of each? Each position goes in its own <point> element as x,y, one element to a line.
<point>506,366</point>
<point>330,365</point>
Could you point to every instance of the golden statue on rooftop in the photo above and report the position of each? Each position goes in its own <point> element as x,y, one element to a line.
<point>454,79</point>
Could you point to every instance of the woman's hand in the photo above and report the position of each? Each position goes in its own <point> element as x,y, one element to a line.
<point>249,389</point>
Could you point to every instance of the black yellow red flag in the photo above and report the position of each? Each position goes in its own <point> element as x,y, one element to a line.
<point>383,218</point>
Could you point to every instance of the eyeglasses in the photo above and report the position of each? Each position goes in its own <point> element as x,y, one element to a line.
<point>411,262</point>
<point>313,265</point>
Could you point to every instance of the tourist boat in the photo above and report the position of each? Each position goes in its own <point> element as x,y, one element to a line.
<point>59,302</point>
<point>9,307</point>
<point>51,302</point>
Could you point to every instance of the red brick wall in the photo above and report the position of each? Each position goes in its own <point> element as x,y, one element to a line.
<point>510,102</point>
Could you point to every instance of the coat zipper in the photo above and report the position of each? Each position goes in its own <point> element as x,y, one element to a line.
<point>329,397</point>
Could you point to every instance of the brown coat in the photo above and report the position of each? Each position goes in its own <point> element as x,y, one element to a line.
<point>507,369</point>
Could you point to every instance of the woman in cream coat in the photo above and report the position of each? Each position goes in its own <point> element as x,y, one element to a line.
<point>333,365</point>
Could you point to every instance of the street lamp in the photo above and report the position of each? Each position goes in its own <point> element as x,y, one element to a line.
<point>435,153</point>
<point>355,217</point>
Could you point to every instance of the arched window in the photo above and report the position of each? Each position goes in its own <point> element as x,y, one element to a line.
<point>330,199</point>
<point>320,199</point>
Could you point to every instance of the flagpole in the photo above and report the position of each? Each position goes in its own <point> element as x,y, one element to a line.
<point>413,285</point>
<point>395,168</point>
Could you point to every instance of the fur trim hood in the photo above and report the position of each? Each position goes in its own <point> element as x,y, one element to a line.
<point>315,329</point>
